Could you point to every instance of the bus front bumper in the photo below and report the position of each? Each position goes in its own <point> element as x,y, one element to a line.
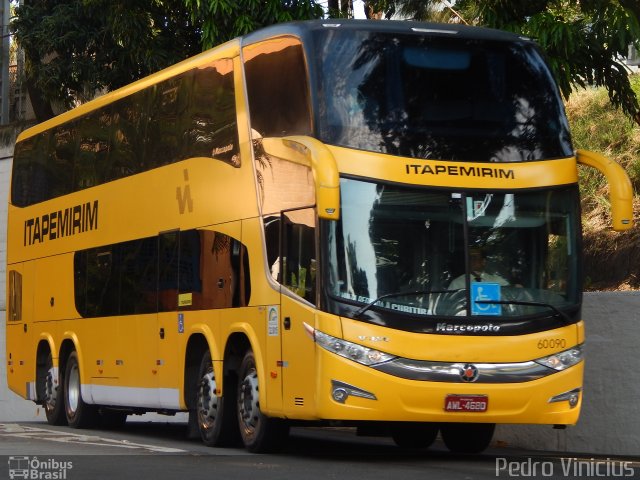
<point>350,391</point>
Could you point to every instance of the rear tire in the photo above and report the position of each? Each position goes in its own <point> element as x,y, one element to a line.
<point>79,414</point>
<point>53,400</point>
<point>259,433</point>
<point>216,420</point>
<point>467,437</point>
<point>414,434</point>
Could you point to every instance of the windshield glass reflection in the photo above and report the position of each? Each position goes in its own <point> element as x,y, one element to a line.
<point>430,252</point>
<point>439,98</point>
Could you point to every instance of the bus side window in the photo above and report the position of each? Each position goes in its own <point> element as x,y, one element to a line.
<point>138,285</point>
<point>224,268</point>
<point>210,125</point>
<point>279,106</point>
<point>131,115</point>
<point>97,282</point>
<point>272,241</point>
<point>298,263</point>
<point>94,144</point>
<point>190,271</point>
<point>167,123</point>
<point>30,182</point>
<point>61,163</point>
<point>168,267</point>
<point>202,269</point>
<point>15,296</point>
<point>22,179</point>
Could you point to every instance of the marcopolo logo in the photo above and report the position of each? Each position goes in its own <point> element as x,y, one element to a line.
<point>34,468</point>
<point>466,328</point>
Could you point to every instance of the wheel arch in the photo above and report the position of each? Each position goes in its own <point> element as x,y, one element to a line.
<point>70,345</point>
<point>44,348</point>
<point>196,346</point>
<point>236,345</point>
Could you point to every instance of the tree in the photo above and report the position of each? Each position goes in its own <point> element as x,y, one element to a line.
<point>76,48</point>
<point>340,8</point>
<point>222,20</point>
<point>584,41</point>
<point>407,9</point>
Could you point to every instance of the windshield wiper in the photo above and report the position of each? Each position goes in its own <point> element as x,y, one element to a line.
<point>366,307</point>
<point>557,312</point>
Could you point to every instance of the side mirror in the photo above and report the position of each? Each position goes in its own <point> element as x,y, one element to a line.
<point>314,154</point>
<point>620,189</point>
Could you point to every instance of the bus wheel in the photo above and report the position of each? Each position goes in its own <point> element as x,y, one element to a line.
<point>79,414</point>
<point>216,420</point>
<point>467,437</point>
<point>259,433</point>
<point>414,434</point>
<point>53,400</point>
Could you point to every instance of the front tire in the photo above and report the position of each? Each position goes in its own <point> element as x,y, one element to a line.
<point>467,437</point>
<point>79,414</point>
<point>259,433</point>
<point>216,421</point>
<point>414,434</point>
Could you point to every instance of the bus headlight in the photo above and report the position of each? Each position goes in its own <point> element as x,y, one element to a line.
<point>352,351</point>
<point>562,360</point>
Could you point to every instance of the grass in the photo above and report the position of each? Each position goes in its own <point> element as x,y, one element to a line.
<point>597,126</point>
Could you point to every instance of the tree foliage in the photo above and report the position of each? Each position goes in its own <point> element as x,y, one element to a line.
<point>222,20</point>
<point>340,8</point>
<point>584,40</point>
<point>75,48</point>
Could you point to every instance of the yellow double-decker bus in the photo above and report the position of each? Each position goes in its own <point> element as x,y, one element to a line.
<point>373,224</point>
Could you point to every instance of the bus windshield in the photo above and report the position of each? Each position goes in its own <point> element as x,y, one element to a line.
<point>429,252</point>
<point>438,98</point>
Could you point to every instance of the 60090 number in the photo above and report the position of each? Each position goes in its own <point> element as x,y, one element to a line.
<point>552,343</point>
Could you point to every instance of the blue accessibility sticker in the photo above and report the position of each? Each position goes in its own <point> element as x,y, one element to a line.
<point>485,292</point>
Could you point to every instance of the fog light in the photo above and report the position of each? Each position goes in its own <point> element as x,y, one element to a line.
<point>340,391</point>
<point>573,399</point>
<point>340,395</point>
<point>572,396</point>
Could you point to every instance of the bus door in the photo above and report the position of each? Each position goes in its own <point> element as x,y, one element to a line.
<point>170,319</point>
<point>298,297</point>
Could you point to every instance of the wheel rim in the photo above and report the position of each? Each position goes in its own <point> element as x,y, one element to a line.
<point>73,389</point>
<point>51,389</point>
<point>248,405</point>
<point>207,401</point>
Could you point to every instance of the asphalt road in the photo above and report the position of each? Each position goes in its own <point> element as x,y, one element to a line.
<point>160,450</point>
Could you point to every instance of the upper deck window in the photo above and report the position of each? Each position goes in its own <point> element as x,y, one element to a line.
<point>191,114</point>
<point>277,87</point>
<point>438,98</point>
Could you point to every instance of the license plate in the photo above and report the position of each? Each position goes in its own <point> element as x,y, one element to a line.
<point>466,403</point>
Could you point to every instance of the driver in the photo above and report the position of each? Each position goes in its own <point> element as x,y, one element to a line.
<point>478,272</point>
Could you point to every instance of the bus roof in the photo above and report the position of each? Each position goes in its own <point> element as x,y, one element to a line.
<point>300,29</point>
<point>303,28</point>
